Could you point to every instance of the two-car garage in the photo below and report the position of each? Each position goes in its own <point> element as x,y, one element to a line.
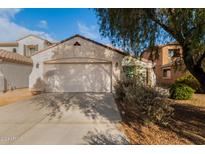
<point>76,64</point>
<point>78,76</point>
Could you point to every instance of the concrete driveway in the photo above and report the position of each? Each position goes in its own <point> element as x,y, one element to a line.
<point>62,118</point>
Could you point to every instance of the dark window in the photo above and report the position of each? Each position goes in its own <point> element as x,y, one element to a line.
<point>167,73</point>
<point>14,50</point>
<point>30,49</point>
<point>173,52</point>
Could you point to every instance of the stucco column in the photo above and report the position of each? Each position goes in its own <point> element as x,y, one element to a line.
<point>152,77</point>
<point>2,79</point>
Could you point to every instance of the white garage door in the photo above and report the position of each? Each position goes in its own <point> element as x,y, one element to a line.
<point>89,77</point>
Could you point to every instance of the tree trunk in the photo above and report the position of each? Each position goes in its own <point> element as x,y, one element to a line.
<point>195,69</point>
<point>199,74</point>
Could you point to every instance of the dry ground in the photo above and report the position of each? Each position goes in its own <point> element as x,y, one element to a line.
<point>189,119</point>
<point>187,126</point>
<point>198,100</point>
<point>14,96</point>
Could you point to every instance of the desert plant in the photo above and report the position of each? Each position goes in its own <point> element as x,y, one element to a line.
<point>150,103</point>
<point>191,81</point>
<point>133,69</point>
<point>181,91</point>
<point>160,110</point>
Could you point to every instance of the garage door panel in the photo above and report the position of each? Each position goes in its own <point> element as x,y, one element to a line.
<point>78,77</point>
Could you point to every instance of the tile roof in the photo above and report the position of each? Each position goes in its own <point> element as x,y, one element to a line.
<point>85,38</point>
<point>8,44</point>
<point>14,57</point>
<point>33,36</point>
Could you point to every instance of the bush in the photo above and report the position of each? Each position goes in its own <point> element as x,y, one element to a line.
<point>160,110</point>
<point>151,104</point>
<point>191,81</point>
<point>181,91</point>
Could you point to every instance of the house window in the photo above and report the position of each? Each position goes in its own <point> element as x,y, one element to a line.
<point>129,71</point>
<point>30,49</point>
<point>14,50</point>
<point>173,53</point>
<point>166,73</point>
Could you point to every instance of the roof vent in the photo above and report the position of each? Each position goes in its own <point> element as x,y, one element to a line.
<point>77,44</point>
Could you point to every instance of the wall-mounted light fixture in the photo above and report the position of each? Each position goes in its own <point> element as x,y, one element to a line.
<point>116,64</point>
<point>37,65</point>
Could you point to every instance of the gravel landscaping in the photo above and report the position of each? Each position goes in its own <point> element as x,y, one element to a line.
<point>187,126</point>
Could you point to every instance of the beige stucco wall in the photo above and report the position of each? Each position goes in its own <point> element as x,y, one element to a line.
<point>67,50</point>
<point>9,48</point>
<point>87,53</point>
<point>13,75</point>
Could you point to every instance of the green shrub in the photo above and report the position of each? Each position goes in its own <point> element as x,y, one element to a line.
<point>150,103</point>
<point>181,91</point>
<point>191,81</point>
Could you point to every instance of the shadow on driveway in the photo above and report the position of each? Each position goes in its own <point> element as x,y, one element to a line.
<point>105,138</point>
<point>63,118</point>
<point>92,105</point>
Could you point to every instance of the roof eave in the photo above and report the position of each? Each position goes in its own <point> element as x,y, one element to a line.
<point>85,38</point>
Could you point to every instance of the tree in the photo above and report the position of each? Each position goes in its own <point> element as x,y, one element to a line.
<point>137,29</point>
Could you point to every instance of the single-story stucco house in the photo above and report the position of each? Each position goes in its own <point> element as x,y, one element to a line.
<point>14,70</point>
<point>77,64</point>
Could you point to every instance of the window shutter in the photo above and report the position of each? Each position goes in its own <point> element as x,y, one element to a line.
<point>36,48</point>
<point>24,50</point>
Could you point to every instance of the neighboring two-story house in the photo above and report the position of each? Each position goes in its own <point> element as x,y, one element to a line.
<point>15,61</point>
<point>167,59</point>
<point>26,46</point>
